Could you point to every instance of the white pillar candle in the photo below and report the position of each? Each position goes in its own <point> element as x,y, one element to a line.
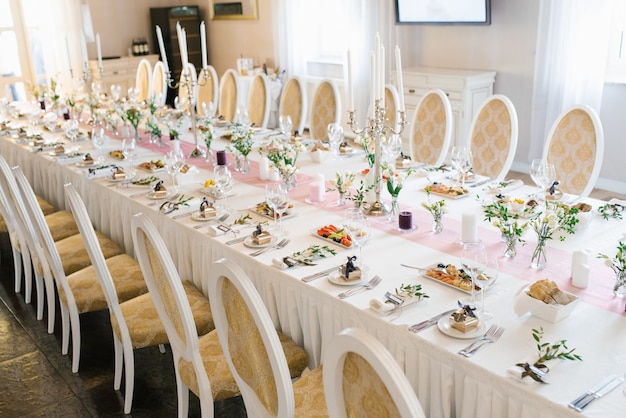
<point>316,192</point>
<point>83,49</point>
<point>273,174</point>
<point>99,49</point>
<point>372,81</point>
<point>264,168</point>
<point>580,269</point>
<point>203,44</point>
<point>399,81</point>
<point>69,57</point>
<point>381,86</point>
<point>319,177</point>
<point>469,227</point>
<point>350,88</point>
<point>162,48</point>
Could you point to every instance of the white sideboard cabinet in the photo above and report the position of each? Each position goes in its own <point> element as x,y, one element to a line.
<point>120,71</point>
<point>466,89</point>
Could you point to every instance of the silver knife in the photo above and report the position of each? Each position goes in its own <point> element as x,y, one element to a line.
<point>480,183</point>
<point>598,391</point>
<point>429,322</point>
<point>318,275</point>
<point>236,240</point>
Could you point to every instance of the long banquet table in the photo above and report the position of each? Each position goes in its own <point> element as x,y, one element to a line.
<point>447,384</point>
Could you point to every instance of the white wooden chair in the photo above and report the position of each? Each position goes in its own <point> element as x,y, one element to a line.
<point>229,95</point>
<point>360,373</point>
<point>493,138</point>
<point>392,105</point>
<point>326,109</point>
<point>293,102</point>
<point>431,129</point>
<point>183,92</point>
<point>209,92</point>
<point>143,80</point>
<point>159,84</point>
<point>262,361</point>
<point>575,146</point>
<point>259,101</point>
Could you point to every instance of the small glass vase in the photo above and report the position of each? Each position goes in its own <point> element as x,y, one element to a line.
<point>510,245</point>
<point>619,289</point>
<point>539,258</point>
<point>437,225</point>
<point>136,132</point>
<point>289,179</point>
<point>394,210</point>
<point>242,164</point>
<point>341,199</point>
<point>209,155</point>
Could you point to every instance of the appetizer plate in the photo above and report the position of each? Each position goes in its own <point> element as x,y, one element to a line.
<point>446,328</point>
<point>249,243</point>
<point>336,278</point>
<point>146,166</point>
<point>451,192</point>
<point>314,233</point>
<point>434,266</point>
<point>261,210</point>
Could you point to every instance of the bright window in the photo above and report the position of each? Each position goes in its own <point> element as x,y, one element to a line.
<point>616,63</point>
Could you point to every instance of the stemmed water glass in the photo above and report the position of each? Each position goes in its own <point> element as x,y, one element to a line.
<point>129,151</point>
<point>335,136</point>
<point>392,148</point>
<point>473,262</point>
<point>98,137</point>
<point>543,174</point>
<point>484,280</point>
<point>71,129</point>
<point>224,181</point>
<point>357,226</point>
<point>180,103</point>
<point>461,158</point>
<point>208,109</point>
<point>286,126</point>
<point>277,198</point>
<point>116,91</point>
<point>174,161</point>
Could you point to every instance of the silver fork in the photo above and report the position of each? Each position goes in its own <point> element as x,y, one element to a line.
<point>491,336</point>
<point>367,286</point>
<point>281,244</point>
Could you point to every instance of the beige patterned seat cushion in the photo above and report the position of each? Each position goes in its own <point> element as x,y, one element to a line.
<point>143,82</point>
<point>324,110</point>
<point>228,97</point>
<point>308,392</point>
<point>291,102</point>
<point>145,326</point>
<point>257,101</point>
<point>74,255</point>
<point>365,394</point>
<point>573,151</point>
<point>491,139</point>
<point>46,208</point>
<point>88,294</point>
<point>61,225</point>
<point>429,130</point>
<point>390,107</point>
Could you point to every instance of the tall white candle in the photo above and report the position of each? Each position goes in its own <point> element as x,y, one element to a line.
<point>264,168</point>
<point>181,46</point>
<point>162,48</point>
<point>99,49</point>
<point>203,44</point>
<point>399,81</point>
<point>372,80</point>
<point>469,227</point>
<point>350,88</point>
<point>381,92</point>
<point>69,57</point>
<point>83,49</point>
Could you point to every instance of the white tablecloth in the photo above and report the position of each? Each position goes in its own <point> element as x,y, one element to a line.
<point>447,384</point>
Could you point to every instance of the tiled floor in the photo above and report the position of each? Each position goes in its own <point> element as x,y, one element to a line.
<point>37,381</point>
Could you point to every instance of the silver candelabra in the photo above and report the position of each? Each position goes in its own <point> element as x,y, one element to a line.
<point>190,84</point>
<point>377,129</point>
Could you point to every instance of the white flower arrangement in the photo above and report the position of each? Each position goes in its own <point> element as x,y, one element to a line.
<point>342,181</point>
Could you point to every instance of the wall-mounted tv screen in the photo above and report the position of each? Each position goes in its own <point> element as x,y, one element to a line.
<point>444,11</point>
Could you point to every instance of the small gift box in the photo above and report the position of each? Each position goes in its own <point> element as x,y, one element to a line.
<point>159,189</point>
<point>349,271</point>
<point>118,174</point>
<point>207,210</point>
<point>88,159</point>
<point>464,319</point>
<point>261,237</point>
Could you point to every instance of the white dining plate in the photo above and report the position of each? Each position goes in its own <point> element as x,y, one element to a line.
<point>249,243</point>
<point>152,196</point>
<point>446,328</point>
<point>84,164</point>
<point>197,216</point>
<point>337,278</point>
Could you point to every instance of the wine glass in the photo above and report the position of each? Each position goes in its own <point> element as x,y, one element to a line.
<point>133,95</point>
<point>484,280</point>
<point>180,103</point>
<point>473,261</point>
<point>543,174</point>
<point>116,91</point>
<point>277,197</point>
<point>357,226</point>
<point>174,161</point>
<point>241,116</point>
<point>96,88</point>
<point>392,148</point>
<point>223,180</point>
<point>462,160</point>
<point>70,127</point>
<point>129,151</point>
<point>286,126</point>
<point>208,109</point>
<point>98,137</point>
<point>335,136</point>
<point>50,121</point>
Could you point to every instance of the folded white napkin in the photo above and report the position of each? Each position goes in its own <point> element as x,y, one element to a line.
<point>615,201</point>
<point>100,173</point>
<point>497,187</point>
<point>517,372</point>
<point>69,160</point>
<point>215,231</point>
<point>278,263</point>
<point>381,306</point>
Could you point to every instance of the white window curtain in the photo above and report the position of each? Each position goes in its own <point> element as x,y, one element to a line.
<point>346,24</point>
<point>572,47</point>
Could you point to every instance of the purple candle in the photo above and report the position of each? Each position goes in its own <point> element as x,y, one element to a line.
<point>221,157</point>
<point>405,220</point>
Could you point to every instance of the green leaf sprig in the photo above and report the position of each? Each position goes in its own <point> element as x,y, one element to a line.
<point>414,290</point>
<point>611,211</point>
<point>548,351</point>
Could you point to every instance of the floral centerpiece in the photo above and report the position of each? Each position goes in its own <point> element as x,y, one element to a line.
<point>241,145</point>
<point>436,209</point>
<point>508,223</point>
<point>618,265</point>
<point>208,134</point>
<point>360,193</point>
<point>369,147</point>
<point>283,157</point>
<point>152,126</point>
<point>395,183</point>
<point>342,181</point>
<point>554,216</point>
